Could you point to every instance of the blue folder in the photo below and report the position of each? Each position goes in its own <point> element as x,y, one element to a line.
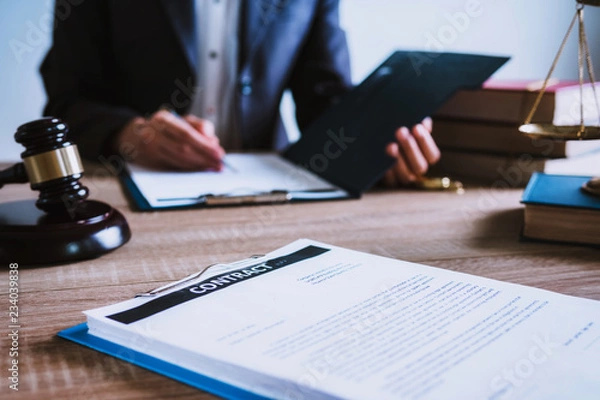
<point>79,334</point>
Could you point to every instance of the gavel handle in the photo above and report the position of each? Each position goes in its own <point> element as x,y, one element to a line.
<point>14,174</point>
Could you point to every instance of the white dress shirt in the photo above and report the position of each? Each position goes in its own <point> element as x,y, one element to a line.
<point>217,24</point>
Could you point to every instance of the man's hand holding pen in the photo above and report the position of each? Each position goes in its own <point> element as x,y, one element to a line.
<point>166,140</point>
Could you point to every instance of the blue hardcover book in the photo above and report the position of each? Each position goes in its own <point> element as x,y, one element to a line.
<point>560,191</point>
<point>558,209</point>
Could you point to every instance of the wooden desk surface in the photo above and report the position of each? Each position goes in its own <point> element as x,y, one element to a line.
<point>477,233</point>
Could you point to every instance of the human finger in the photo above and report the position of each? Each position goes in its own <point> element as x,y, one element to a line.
<point>204,126</point>
<point>427,123</point>
<point>411,152</point>
<point>426,143</point>
<point>183,157</point>
<point>400,173</point>
<point>183,133</point>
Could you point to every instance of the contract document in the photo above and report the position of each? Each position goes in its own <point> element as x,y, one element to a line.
<point>315,321</point>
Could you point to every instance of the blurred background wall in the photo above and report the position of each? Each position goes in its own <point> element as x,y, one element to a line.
<point>528,31</point>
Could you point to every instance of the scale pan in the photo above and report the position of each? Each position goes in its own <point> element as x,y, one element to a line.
<point>555,132</point>
<point>592,186</point>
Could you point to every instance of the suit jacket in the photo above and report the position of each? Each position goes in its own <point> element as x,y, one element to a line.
<point>112,60</point>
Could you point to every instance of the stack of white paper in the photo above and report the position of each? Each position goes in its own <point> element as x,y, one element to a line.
<point>311,321</point>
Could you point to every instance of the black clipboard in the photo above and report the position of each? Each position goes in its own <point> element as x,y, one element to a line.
<point>402,91</point>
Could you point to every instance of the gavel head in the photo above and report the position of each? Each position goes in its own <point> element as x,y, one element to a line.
<point>52,164</point>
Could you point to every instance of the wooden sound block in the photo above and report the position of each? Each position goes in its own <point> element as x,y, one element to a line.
<point>29,236</point>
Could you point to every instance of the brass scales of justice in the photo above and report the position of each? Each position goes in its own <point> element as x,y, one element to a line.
<point>570,132</point>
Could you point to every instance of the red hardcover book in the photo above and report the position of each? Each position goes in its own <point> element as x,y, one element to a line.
<point>510,101</point>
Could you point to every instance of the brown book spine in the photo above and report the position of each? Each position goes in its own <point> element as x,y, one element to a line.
<point>490,137</point>
<point>497,105</point>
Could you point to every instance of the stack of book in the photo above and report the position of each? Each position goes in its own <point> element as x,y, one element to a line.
<point>557,209</point>
<point>477,131</point>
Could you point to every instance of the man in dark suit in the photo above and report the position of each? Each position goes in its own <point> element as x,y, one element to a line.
<point>115,64</point>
